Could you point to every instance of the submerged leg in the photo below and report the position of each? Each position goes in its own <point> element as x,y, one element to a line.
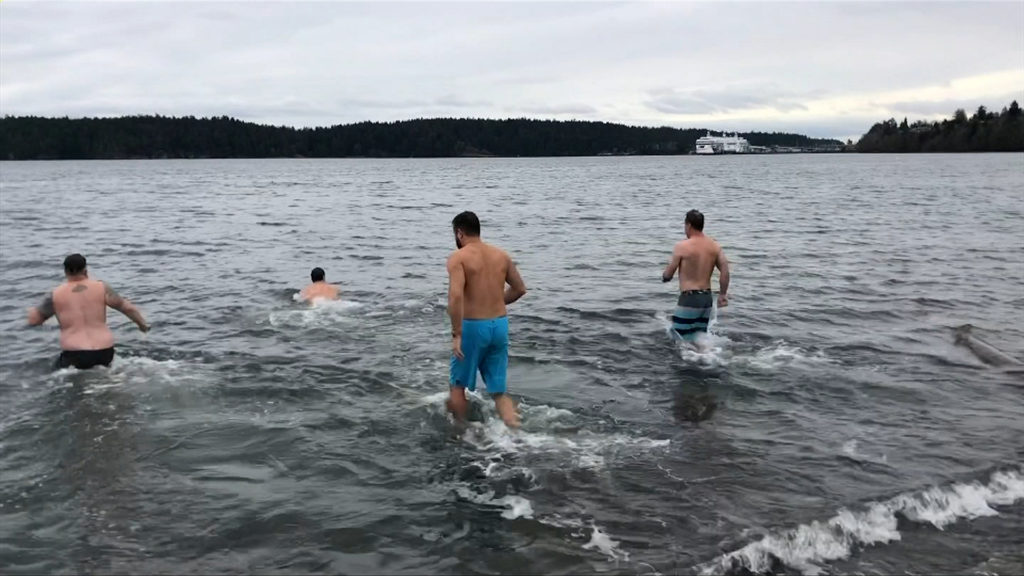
<point>507,409</point>
<point>457,403</point>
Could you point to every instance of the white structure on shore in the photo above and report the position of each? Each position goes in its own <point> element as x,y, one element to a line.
<point>725,144</point>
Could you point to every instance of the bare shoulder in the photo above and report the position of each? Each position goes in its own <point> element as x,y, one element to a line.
<point>455,259</point>
<point>503,257</point>
<point>501,252</point>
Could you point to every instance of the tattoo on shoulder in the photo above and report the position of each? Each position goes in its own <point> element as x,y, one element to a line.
<point>110,292</point>
<point>80,288</point>
<point>46,307</point>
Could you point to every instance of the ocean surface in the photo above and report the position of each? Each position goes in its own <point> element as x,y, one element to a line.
<point>833,427</point>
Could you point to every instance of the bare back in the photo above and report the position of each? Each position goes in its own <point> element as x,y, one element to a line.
<point>486,268</point>
<point>81,310</point>
<point>320,290</point>
<point>698,257</point>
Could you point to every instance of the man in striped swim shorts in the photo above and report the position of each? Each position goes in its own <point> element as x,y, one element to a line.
<point>696,257</point>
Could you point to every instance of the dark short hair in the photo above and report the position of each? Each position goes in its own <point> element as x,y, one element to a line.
<point>317,274</point>
<point>468,223</point>
<point>696,219</point>
<point>74,264</point>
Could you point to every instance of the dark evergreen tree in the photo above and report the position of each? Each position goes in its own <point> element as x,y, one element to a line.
<point>984,132</point>
<point>27,138</point>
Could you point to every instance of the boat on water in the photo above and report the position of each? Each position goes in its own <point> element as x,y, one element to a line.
<point>725,144</point>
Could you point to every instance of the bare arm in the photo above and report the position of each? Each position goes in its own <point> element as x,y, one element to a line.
<point>39,314</point>
<point>516,287</point>
<point>673,265</point>
<point>456,293</point>
<point>722,263</point>
<point>122,305</point>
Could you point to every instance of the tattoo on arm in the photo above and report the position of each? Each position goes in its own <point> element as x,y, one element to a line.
<point>46,307</point>
<point>112,298</point>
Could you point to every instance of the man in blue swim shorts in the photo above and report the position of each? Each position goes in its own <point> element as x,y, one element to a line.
<point>696,257</point>
<point>477,274</point>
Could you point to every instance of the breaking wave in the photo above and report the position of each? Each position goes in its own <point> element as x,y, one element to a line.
<point>809,546</point>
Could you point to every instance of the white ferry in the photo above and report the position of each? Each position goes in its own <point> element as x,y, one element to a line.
<point>725,144</point>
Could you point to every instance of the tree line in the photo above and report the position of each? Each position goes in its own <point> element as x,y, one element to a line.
<point>38,138</point>
<point>984,131</point>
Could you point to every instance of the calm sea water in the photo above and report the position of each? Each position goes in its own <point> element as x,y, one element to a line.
<point>835,426</point>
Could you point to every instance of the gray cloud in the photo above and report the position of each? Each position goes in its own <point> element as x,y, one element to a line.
<point>560,109</point>
<point>948,107</point>
<point>453,101</point>
<point>323,63</point>
<point>731,98</point>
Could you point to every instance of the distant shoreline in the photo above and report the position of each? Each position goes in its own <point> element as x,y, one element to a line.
<point>158,137</point>
<point>163,137</point>
<point>830,153</point>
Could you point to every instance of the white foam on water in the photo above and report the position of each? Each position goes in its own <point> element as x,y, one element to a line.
<point>128,369</point>
<point>598,540</point>
<point>335,305</point>
<point>435,398</point>
<point>601,541</point>
<point>809,546</point>
<point>780,355</point>
<point>125,363</point>
<point>585,449</point>
<point>320,312</point>
<point>709,349</point>
<point>62,373</point>
<point>134,372</point>
<point>543,414</point>
<point>851,448</point>
<point>518,507</point>
<point>515,506</point>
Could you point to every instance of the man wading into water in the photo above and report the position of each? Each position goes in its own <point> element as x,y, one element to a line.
<point>477,274</point>
<point>80,305</point>
<point>696,258</point>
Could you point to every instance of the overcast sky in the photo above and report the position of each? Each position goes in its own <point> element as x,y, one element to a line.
<point>824,69</point>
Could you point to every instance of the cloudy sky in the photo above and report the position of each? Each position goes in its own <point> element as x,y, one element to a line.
<point>820,68</point>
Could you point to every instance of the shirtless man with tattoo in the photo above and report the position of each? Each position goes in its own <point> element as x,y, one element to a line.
<point>80,305</point>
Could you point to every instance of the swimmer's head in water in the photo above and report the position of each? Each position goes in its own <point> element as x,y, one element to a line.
<point>465,225</point>
<point>74,265</point>
<point>695,221</point>
<point>317,274</point>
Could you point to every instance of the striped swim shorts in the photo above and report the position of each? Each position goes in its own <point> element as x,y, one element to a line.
<point>692,314</point>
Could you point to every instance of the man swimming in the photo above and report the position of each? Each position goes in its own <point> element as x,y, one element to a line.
<point>477,274</point>
<point>319,288</point>
<point>80,305</point>
<point>695,258</point>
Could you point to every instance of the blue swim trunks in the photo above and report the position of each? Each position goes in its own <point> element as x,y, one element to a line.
<point>692,314</point>
<point>484,349</point>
